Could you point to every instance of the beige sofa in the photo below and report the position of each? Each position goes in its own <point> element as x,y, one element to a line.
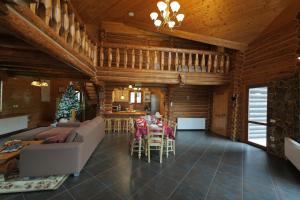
<point>62,158</point>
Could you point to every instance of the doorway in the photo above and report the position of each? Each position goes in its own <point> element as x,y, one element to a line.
<point>257,115</point>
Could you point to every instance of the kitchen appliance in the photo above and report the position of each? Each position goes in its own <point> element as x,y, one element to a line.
<point>115,108</point>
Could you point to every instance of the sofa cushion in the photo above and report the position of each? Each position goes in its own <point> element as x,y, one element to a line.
<point>58,134</point>
<point>30,134</point>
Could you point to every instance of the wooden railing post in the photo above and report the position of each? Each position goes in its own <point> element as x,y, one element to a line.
<point>95,56</point>
<point>222,64</point>
<point>227,64</point>
<point>190,62</point>
<point>133,59</point>
<point>155,59</point>
<point>72,29</point>
<point>65,21</point>
<point>162,63</point>
<point>101,56</point>
<point>118,57</point>
<point>183,61</point>
<point>109,57</point>
<point>77,36</point>
<point>169,61</point>
<point>216,64</point>
<point>56,15</point>
<point>176,62</point>
<point>48,10</point>
<point>125,58</point>
<point>209,63</point>
<point>148,59</point>
<point>196,62</point>
<point>141,59</point>
<point>203,67</point>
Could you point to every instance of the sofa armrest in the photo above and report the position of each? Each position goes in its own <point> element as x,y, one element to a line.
<point>50,159</point>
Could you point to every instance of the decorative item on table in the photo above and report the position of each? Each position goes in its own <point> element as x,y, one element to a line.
<point>141,123</point>
<point>11,146</point>
<point>158,115</point>
<point>69,103</point>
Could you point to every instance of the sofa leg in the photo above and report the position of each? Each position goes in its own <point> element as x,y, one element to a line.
<point>76,174</point>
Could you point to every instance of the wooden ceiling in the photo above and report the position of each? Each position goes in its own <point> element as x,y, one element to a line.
<point>231,20</point>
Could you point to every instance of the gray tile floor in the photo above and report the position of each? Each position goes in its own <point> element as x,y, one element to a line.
<point>205,167</point>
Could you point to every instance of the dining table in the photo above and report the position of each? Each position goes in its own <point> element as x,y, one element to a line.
<point>141,127</point>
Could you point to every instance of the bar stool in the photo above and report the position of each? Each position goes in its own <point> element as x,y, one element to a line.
<point>117,125</point>
<point>125,124</point>
<point>108,127</point>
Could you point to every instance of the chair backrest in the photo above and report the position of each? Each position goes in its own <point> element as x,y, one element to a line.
<point>155,136</point>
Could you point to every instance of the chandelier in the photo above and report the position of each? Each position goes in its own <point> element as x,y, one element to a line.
<point>169,13</point>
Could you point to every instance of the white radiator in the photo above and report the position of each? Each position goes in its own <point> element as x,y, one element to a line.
<point>11,124</point>
<point>190,123</point>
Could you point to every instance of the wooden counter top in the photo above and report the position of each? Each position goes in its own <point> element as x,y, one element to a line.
<point>126,113</point>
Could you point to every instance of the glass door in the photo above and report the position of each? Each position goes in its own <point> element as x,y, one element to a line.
<point>257,115</point>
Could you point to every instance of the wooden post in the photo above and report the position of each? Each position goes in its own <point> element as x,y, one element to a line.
<point>141,59</point>
<point>133,59</point>
<point>155,59</point>
<point>77,36</point>
<point>203,67</point>
<point>183,61</point>
<point>169,61</point>
<point>57,15</point>
<point>162,63</point>
<point>101,56</point>
<point>227,64</point>
<point>72,29</point>
<point>176,62</point>
<point>109,57</point>
<point>48,11</point>
<point>33,7</point>
<point>66,21</point>
<point>118,57</point>
<point>216,64</point>
<point>196,62</point>
<point>209,63</point>
<point>125,58</point>
<point>148,59</point>
<point>222,64</point>
<point>190,62</point>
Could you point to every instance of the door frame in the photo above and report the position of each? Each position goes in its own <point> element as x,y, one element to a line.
<point>247,116</point>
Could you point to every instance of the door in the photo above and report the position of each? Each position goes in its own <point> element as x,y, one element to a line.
<point>257,115</point>
<point>154,104</point>
<point>220,111</point>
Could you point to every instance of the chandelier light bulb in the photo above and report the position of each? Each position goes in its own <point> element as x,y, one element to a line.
<point>34,83</point>
<point>175,6</point>
<point>180,17</point>
<point>157,23</point>
<point>161,6</point>
<point>153,16</point>
<point>44,84</point>
<point>171,24</point>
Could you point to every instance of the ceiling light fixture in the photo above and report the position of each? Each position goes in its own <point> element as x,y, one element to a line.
<point>298,57</point>
<point>39,83</point>
<point>169,13</point>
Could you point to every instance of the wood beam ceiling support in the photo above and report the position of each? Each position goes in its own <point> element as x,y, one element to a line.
<point>162,77</point>
<point>192,36</point>
<point>27,26</point>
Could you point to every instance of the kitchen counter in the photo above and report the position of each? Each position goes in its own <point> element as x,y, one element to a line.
<point>124,114</point>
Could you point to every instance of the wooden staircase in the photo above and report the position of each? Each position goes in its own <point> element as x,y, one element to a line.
<point>91,91</point>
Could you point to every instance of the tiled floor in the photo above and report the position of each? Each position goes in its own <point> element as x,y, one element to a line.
<point>205,167</point>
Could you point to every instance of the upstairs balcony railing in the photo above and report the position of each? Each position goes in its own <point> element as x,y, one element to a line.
<point>60,16</point>
<point>163,59</point>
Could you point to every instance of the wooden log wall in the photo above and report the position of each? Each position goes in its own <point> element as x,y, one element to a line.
<point>269,59</point>
<point>190,101</point>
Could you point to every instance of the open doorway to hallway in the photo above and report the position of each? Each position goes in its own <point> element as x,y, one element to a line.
<point>257,115</point>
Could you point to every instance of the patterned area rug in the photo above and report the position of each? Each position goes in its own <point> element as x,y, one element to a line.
<point>30,184</point>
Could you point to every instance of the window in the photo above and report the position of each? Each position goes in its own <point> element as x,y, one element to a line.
<point>135,97</point>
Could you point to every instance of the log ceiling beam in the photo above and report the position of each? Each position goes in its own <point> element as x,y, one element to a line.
<point>162,77</point>
<point>192,36</point>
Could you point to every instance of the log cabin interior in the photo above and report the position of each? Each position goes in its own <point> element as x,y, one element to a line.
<point>97,96</point>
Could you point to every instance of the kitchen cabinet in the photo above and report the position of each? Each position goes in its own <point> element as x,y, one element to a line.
<point>117,94</point>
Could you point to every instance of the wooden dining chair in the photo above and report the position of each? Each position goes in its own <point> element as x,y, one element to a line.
<point>169,143</point>
<point>136,145</point>
<point>155,142</point>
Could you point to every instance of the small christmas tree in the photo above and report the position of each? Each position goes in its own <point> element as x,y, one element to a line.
<point>68,102</point>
